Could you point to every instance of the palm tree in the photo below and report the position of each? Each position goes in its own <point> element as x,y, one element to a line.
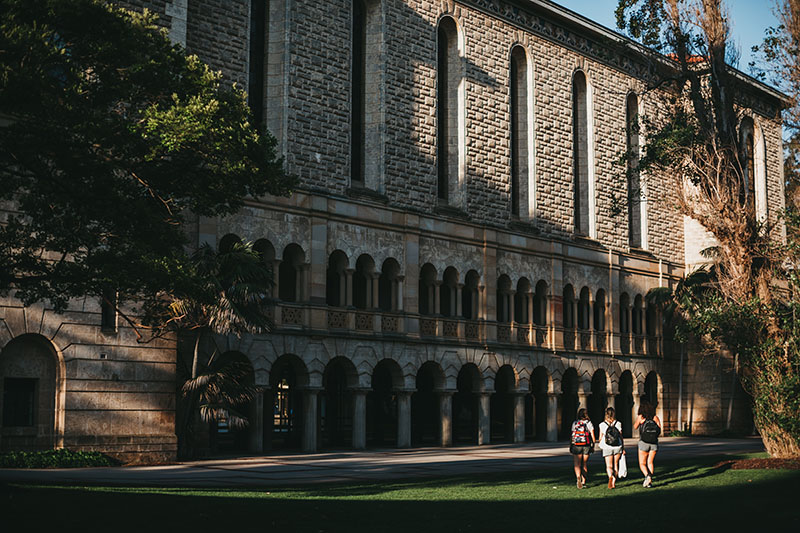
<point>230,296</point>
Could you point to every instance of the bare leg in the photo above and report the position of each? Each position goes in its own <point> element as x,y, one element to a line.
<point>651,456</point>
<point>609,465</point>
<point>616,469</point>
<point>584,467</point>
<point>643,463</point>
<point>576,460</point>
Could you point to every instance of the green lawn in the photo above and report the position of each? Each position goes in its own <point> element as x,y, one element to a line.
<point>688,496</point>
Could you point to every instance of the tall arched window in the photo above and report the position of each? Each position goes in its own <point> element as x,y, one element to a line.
<point>581,155</point>
<point>449,113</point>
<point>634,185</point>
<point>256,75</point>
<point>365,118</point>
<point>522,185</point>
<point>754,168</point>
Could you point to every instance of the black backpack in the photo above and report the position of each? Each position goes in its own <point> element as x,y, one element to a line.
<point>613,438</point>
<point>649,431</point>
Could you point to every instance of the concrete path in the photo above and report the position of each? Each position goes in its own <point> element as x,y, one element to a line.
<point>368,466</point>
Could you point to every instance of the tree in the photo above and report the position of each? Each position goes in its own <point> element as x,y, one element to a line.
<point>745,306</point>
<point>111,140</point>
<point>231,298</point>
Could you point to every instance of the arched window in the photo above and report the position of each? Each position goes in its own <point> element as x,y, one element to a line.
<point>600,311</point>
<point>448,292</point>
<point>634,185</point>
<point>469,296</point>
<point>266,252</point>
<point>427,289</point>
<point>362,283</point>
<point>291,274</point>
<point>227,242</point>
<point>256,75</point>
<point>365,141</point>
<point>336,280</point>
<point>521,299</point>
<point>581,156</point>
<point>503,299</point>
<point>389,286</point>
<point>638,309</point>
<point>754,190</point>
<point>450,132</point>
<point>583,309</point>
<point>522,184</point>
<point>568,307</point>
<point>540,304</point>
<point>624,321</point>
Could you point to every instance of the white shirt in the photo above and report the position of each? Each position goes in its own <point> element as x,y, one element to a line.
<point>604,428</point>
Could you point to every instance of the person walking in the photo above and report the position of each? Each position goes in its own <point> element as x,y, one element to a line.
<point>649,426</point>
<point>612,445</point>
<point>581,445</point>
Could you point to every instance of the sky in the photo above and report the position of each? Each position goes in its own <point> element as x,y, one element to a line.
<point>749,18</point>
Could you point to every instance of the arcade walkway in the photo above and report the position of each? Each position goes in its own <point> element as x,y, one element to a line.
<point>286,470</point>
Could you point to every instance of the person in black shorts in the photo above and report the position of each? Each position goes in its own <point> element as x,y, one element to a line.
<point>581,445</point>
<point>649,426</point>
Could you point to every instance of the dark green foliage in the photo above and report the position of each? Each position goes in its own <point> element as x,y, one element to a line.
<point>111,138</point>
<point>62,458</point>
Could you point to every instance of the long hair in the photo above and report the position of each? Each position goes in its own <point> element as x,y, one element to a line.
<point>610,415</point>
<point>582,414</point>
<point>646,409</point>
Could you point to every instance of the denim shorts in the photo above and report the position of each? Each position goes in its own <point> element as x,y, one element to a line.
<point>647,447</point>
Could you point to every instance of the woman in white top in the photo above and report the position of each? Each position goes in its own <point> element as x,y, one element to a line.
<point>612,445</point>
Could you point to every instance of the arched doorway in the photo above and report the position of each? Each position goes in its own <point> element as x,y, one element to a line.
<point>382,404</point>
<point>539,387</point>
<point>425,412</point>
<point>29,393</point>
<point>598,401</point>
<point>465,405</point>
<point>569,402</point>
<point>228,433</point>
<point>625,403</point>
<point>501,405</point>
<point>284,418</point>
<point>336,404</point>
<point>651,389</point>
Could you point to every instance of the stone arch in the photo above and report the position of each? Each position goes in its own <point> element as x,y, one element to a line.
<point>227,436</point>
<point>470,296</point>
<point>288,378</point>
<point>336,294</point>
<point>291,274</point>
<point>504,301</point>
<point>389,286</point>
<point>427,289</point>
<point>522,298</point>
<point>448,292</point>
<point>568,404</point>
<point>584,309</point>
<point>536,414</point>
<point>469,385</point>
<point>624,403</point>
<point>32,394</point>
<point>363,280</point>
<point>335,414</point>
<point>501,404</point>
<point>228,241</point>
<point>598,399</point>
<point>382,403</point>
<point>426,421</point>
<point>540,307</point>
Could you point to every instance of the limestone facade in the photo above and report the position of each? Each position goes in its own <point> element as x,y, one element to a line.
<point>403,318</point>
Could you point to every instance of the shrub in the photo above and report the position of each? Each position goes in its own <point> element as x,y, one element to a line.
<point>55,459</point>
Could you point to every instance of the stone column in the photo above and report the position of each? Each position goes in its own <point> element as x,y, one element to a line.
<point>637,400</point>
<point>552,417</point>
<point>484,420</point>
<point>359,419</point>
<point>256,416</point>
<point>349,286</point>
<point>611,401</point>
<point>519,417</point>
<point>342,289</point>
<point>310,420</point>
<point>404,419</point>
<point>446,417</point>
<point>437,292</point>
<point>529,300</point>
<point>459,309</point>
<point>511,306</point>
<point>375,299</point>
<point>276,276</point>
<point>399,293</point>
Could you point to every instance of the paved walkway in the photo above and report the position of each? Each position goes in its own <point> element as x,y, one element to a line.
<point>368,466</point>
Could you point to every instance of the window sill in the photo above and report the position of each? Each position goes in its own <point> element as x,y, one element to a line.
<point>451,212</point>
<point>363,193</point>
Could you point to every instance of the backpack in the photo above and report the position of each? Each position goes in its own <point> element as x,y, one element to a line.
<point>580,434</point>
<point>613,438</point>
<point>649,431</point>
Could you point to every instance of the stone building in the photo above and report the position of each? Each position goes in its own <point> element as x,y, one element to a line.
<point>455,266</point>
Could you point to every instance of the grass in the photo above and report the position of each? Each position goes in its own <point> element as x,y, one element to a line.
<point>696,495</point>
